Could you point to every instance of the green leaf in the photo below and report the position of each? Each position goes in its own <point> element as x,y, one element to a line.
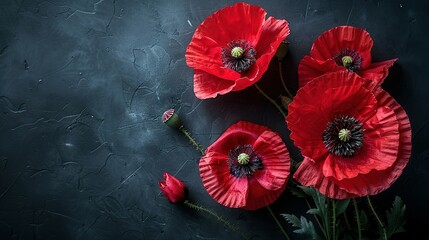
<point>341,206</point>
<point>304,226</point>
<point>321,208</point>
<point>314,211</point>
<point>396,217</point>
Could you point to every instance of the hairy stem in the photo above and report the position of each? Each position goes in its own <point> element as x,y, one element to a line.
<point>326,222</point>
<point>357,219</point>
<point>219,218</point>
<point>282,80</point>
<point>380,223</point>
<point>278,223</point>
<point>196,145</point>
<point>271,100</point>
<point>346,219</point>
<point>334,219</point>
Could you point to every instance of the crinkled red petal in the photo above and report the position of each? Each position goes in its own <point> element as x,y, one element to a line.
<point>205,55</point>
<point>209,86</point>
<point>204,50</point>
<point>310,173</point>
<point>319,101</point>
<point>379,150</point>
<point>310,68</point>
<point>248,78</point>
<point>377,181</point>
<point>221,185</point>
<point>377,71</point>
<point>273,33</point>
<point>275,160</point>
<point>241,133</point>
<point>331,42</point>
<point>309,140</point>
<point>259,197</point>
<point>239,21</point>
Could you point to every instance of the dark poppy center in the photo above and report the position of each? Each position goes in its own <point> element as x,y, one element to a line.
<point>348,58</point>
<point>343,136</point>
<point>238,55</point>
<point>243,161</point>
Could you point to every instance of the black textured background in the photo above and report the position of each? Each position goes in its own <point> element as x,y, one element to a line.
<point>83,85</point>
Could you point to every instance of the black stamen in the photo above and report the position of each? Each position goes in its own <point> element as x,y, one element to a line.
<point>242,63</point>
<point>355,64</point>
<point>343,147</point>
<point>240,170</point>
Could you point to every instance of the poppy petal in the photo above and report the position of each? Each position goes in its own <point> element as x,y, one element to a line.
<point>220,184</point>
<point>344,94</point>
<point>258,196</point>
<point>377,181</point>
<point>331,42</point>
<point>205,55</point>
<point>204,50</point>
<point>273,33</point>
<point>275,160</point>
<point>249,78</point>
<point>310,173</point>
<point>310,68</point>
<point>209,86</point>
<point>239,21</point>
<point>241,133</point>
<point>377,71</point>
<point>309,141</point>
<point>379,150</point>
<point>330,95</point>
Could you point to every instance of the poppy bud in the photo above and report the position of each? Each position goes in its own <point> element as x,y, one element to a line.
<point>174,190</point>
<point>282,50</point>
<point>285,101</point>
<point>171,119</point>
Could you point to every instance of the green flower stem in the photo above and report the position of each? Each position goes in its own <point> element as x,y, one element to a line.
<point>334,219</point>
<point>380,223</point>
<point>196,145</point>
<point>357,218</point>
<point>328,232</point>
<point>278,223</point>
<point>282,80</point>
<point>219,218</point>
<point>346,219</point>
<point>271,100</point>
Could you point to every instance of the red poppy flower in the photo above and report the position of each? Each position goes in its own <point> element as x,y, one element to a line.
<point>231,49</point>
<point>247,167</point>
<point>174,190</point>
<point>343,48</point>
<point>355,138</point>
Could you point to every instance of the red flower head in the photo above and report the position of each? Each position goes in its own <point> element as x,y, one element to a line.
<point>247,167</point>
<point>174,190</point>
<point>342,48</point>
<point>232,48</point>
<point>355,138</point>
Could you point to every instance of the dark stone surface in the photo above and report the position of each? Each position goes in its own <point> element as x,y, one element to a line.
<point>83,85</point>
